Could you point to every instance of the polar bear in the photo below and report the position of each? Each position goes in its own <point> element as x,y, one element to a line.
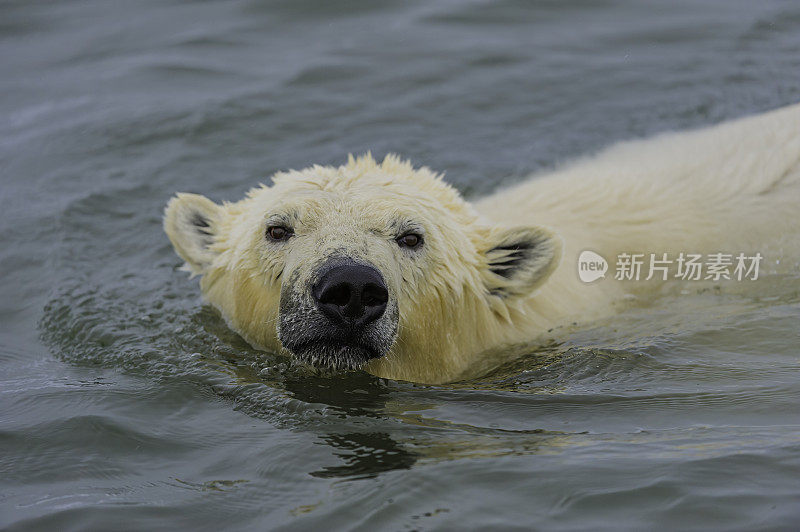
<point>385,267</point>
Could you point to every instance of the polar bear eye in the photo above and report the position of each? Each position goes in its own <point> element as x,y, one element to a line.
<point>278,233</point>
<point>410,240</point>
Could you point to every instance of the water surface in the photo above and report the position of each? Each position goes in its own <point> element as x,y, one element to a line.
<point>123,400</point>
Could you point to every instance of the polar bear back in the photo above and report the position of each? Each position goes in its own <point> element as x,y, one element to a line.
<point>734,187</point>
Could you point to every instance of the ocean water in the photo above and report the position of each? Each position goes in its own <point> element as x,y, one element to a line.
<point>125,403</point>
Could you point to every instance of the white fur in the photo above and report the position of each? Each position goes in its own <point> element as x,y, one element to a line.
<point>730,188</point>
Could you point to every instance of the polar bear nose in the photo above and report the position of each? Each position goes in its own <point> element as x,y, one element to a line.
<point>351,295</point>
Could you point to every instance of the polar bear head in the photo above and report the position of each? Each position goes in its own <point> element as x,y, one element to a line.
<point>371,265</point>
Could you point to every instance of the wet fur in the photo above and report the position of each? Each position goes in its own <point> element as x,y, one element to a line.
<point>501,271</point>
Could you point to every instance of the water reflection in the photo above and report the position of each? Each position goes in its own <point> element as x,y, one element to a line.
<point>374,426</point>
<point>417,434</point>
<point>352,394</point>
<point>366,455</point>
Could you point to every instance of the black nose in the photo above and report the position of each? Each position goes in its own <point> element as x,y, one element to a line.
<point>351,295</point>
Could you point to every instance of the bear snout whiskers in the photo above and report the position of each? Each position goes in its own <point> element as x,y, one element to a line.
<point>351,295</point>
<point>343,319</point>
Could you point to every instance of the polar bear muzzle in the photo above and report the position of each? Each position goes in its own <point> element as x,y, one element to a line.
<point>342,320</point>
<point>351,295</point>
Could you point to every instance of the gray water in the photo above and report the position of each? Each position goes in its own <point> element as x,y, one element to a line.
<point>127,404</point>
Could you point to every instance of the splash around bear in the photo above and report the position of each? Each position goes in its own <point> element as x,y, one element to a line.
<point>385,267</point>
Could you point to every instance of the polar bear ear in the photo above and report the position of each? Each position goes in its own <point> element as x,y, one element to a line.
<point>520,259</point>
<point>191,222</point>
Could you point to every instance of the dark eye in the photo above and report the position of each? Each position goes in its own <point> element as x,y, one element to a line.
<point>278,233</point>
<point>410,240</point>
